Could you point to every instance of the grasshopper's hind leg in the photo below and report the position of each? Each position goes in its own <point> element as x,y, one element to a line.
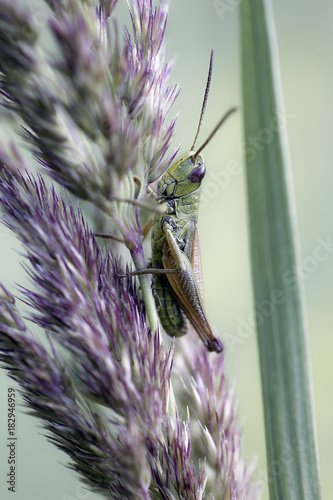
<point>155,294</point>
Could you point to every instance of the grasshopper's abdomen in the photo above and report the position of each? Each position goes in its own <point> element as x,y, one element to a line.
<point>170,312</point>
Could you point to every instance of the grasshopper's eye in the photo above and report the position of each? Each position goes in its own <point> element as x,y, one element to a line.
<point>198,173</point>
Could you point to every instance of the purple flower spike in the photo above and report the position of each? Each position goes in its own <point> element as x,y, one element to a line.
<point>98,318</point>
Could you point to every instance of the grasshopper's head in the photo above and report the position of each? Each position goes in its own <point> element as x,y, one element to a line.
<point>183,177</point>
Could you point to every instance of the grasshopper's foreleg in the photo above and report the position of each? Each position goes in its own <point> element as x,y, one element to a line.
<point>145,231</point>
<point>109,237</point>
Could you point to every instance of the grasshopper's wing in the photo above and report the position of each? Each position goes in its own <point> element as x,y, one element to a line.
<point>192,251</point>
<point>185,286</point>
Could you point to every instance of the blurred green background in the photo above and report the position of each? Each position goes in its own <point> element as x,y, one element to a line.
<point>305,38</point>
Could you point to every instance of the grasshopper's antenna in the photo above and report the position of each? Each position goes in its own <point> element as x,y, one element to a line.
<point>223,119</point>
<point>204,99</point>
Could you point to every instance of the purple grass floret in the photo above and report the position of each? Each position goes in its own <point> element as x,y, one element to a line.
<point>95,115</point>
<point>217,435</point>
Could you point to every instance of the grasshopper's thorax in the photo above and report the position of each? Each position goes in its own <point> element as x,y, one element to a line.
<point>183,177</point>
<point>179,188</point>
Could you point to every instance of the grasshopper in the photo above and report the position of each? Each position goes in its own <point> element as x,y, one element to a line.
<point>176,259</point>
